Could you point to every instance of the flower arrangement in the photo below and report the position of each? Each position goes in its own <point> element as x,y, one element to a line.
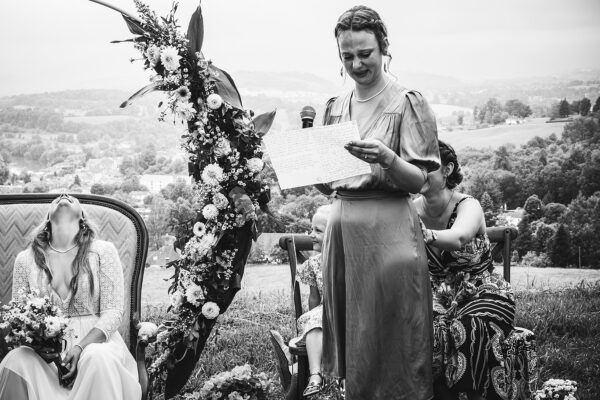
<point>223,142</point>
<point>241,383</point>
<point>33,321</point>
<point>556,389</point>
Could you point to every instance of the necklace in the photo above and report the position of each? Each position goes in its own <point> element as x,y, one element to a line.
<point>372,97</point>
<point>443,210</point>
<point>61,251</point>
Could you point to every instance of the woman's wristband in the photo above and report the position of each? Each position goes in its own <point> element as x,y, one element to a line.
<point>78,345</point>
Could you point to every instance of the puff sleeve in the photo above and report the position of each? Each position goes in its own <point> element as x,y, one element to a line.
<point>418,142</point>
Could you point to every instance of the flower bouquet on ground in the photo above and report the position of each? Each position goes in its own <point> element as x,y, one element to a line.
<point>33,321</point>
<point>241,383</point>
<point>556,389</point>
<point>223,143</point>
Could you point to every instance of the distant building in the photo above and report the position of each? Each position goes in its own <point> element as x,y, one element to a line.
<point>156,182</point>
<point>108,166</point>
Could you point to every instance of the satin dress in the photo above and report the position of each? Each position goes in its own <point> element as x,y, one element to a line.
<point>377,300</point>
<point>105,370</point>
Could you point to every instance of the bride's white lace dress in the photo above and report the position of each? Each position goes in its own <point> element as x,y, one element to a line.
<point>105,370</point>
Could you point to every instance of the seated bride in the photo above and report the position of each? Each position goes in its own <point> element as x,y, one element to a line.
<point>84,278</point>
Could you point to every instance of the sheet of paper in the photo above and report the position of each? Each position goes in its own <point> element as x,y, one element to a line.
<point>314,155</point>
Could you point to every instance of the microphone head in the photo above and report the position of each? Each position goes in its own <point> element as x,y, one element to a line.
<point>308,113</point>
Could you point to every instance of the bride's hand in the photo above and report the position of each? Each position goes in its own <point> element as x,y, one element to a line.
<point>372,151</point>
<point>70,361</point>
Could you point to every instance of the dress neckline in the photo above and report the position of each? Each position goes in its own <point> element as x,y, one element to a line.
<point>53,289</point>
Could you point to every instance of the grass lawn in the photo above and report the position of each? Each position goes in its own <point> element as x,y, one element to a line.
<point>563,312</point>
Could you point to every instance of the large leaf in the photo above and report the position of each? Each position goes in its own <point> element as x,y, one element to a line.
<point>134,24</point>
<point>145,90</point>
<point>263,122</point>
<point>195,32</point>
<point>226,87</point>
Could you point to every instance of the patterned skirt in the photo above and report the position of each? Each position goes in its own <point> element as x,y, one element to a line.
<point>468,345</point>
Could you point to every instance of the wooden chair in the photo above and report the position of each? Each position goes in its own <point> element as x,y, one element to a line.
<point>116,222</point>
<point>518,347</point>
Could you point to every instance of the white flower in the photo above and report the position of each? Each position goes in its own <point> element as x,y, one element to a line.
<point>38,302</point>
<point>212,175</point>
<point>199,229</point>
<point>242,372</point>
<point>255,164</point>
<point>223,148</point>
<point>220,200</point>
<point>210,310</point>
<point>176,299</point>
<point>53,325</point>
<point>194,294</point>
<point>234,396</point>
<point>214,101</point>
<point>210,211</point>
<point>183,93</point>
<point>153,54</point>
<point>170,57</point>
<point>185,110</point>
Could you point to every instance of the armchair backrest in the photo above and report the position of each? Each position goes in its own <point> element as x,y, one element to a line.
<point>116,222</point>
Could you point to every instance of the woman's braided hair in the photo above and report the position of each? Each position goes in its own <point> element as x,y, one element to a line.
<point>363,18</point>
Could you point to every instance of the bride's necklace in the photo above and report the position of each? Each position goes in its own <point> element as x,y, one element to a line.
<point>443,209</point>
<point>61,251</point>
<point>372,97</point>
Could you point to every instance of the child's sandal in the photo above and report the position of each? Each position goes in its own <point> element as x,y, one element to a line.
<point>313,388</point>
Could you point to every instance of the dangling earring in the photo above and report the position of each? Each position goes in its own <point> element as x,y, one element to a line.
<point>342,72</point>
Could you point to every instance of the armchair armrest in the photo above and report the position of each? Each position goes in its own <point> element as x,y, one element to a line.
<point>146,334</point>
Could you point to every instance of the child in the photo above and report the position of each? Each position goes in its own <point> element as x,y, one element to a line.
<point>310,323</point>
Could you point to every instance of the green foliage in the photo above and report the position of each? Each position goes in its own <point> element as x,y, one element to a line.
<point>4,171</point>
<point>596,107</point>
<point>564,109</point>
<point>584,106</point>
<point>517,108</point>
<point>553,212</point>
<point>533,260</point>
<point>489,211</point>
<point>534,208</point>
<point>158,220</point>
<point>583,221</point>
<point>559,247</point>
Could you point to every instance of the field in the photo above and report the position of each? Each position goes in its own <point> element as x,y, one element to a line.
<point>561,306</point>
<point>502,134</point>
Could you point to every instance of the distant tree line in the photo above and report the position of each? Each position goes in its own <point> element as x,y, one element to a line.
<point>494,113</point>
<point>582,107</point>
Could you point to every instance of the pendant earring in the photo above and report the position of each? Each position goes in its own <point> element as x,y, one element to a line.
<point>342,72</point>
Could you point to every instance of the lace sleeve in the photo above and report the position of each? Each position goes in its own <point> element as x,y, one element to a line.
<point>111,290</point>
<point>20,276</point>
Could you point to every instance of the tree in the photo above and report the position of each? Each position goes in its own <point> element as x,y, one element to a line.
<point>4,171</point>
<point>517,108</point>
<point>542,234</point>
<point>158,220</point>
<point>180,188</point>
<point>97,188</point>
<point>126,167</point>
<point>131,183</point>
<point>596,107</point>
<point>524,242</point>
<point>559,247</point>
<point>489,210</point>
<point>76,181</point>
<point>553,212</point>
<point>584,106</point>
<point>460,119</point>
<point>583,221</point>
<point>563,109</point>
<point>502,158</point>
<point>534,208</point>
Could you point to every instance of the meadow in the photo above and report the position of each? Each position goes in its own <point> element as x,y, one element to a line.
<point>562,306</point>
<point>499,135</point>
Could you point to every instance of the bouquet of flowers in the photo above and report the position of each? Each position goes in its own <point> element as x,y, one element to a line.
<point>241,383</point>
<point>223,142</point>
<point>33,321</point>
<point>557,389</point>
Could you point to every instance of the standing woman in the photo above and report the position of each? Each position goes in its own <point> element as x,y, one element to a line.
<point>377,314</point>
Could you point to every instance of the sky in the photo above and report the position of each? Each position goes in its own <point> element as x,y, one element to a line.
<point>49,45</point>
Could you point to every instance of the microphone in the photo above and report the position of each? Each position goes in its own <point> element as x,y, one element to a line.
<point>308,116</point>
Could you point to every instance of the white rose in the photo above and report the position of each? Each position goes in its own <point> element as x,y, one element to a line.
<point>255,164</point>
<point>223,148</point>
<point>176,299</point>
<point>153,54</point>
<point>214,101</point>
<point>210,310</point>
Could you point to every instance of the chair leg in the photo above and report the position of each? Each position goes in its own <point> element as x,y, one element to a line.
<point>303,375</point>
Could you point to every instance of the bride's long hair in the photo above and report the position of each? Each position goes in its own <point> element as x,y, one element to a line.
<point>84,238</point>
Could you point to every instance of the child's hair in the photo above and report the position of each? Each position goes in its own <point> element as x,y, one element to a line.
<point>324,209</point>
